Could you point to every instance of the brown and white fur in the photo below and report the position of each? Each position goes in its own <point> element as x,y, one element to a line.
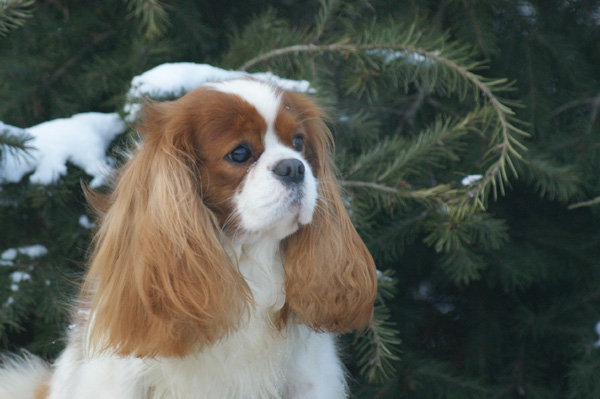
<point>223,265</point>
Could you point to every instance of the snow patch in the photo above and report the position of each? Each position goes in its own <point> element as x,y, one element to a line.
<point>81,139</point>
<point>84,222</point>
<point>390,56</point>
<point>425,293</point>
<point>383,277</point>
<point>9,254</point>
<point>33,251</point>
<point>470,180</point>
<point>16,278</point>
<point>527,10</point>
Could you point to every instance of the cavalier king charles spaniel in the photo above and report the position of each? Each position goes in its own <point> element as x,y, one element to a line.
<point>224,262</point>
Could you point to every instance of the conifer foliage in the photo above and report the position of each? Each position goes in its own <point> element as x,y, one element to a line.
<point>467,144</point>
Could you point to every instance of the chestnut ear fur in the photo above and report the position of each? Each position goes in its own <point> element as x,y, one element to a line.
<point>331,279</point>
<point>160,282</point>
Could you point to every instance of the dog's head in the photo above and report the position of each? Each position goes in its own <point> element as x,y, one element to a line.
<point>236,161</point>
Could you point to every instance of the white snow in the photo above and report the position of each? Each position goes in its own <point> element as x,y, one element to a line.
<point>84,138</point>
<point>389,56</point>
<point>425,292</point>
<point>33,251</point>
<point>527,10</point>
<point>382,277</point>
<point>81,139</point>
<point>9,254</point>
<point>84,222</point>
<point>597,343</point>
<point>470,180</point>
<point>16,278</point>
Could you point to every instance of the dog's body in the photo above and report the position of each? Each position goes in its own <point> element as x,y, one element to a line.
<point>223,266</point>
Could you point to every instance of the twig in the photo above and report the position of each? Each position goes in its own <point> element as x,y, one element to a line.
<point>591,202</point>
<point>576,103</point>
<point>375,186</point>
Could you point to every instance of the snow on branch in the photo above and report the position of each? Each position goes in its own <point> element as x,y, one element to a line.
<point>81,139</point>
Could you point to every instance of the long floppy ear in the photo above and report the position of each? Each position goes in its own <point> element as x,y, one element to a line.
<point>160,281</point>
<point>330,275</point>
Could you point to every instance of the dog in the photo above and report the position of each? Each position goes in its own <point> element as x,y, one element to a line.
<point>224,262</point>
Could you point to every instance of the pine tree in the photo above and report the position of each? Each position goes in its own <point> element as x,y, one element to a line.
<point>467,143</point>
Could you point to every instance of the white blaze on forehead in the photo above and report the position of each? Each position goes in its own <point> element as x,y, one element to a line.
<point>262,96</point>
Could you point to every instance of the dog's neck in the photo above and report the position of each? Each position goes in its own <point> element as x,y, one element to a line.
<point>261,264</point>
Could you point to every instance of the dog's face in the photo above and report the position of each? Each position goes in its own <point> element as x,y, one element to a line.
<point>257,158</point>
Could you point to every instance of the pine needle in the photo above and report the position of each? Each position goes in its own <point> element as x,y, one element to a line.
<point>14,14</point>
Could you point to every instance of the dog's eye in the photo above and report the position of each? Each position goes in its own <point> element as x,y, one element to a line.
<point>240,155</point>
<point>298,143</point>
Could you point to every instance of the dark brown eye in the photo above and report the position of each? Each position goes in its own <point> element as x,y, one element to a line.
<point>298,143</point>
<point>240,155</point>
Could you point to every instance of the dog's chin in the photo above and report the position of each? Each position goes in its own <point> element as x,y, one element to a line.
<point>275,225</point>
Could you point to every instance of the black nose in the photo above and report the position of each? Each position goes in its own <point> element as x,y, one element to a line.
<point>290,171</point>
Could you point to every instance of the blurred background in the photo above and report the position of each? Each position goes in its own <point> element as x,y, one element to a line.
<point>467,143</point>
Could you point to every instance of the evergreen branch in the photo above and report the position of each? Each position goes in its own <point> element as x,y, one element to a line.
<point>459,239</point>
<point>395,159</point>
<point>13,143</point>
<point>154,17</point>
<point>327,8</point>
<point>508,146</point>
<point>388,240</point>
<point>462,266</point>
<point>267,32</point>
<point>438,194</point>
<point>14,14</point>
<point>422,376</point>
<point>550,180</point>
<point>378,347</point>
